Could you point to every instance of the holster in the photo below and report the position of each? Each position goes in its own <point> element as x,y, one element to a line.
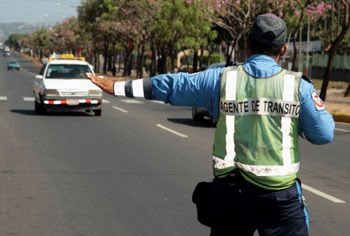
<point>201,198</point>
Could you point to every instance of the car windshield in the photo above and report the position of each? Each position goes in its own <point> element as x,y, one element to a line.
<point>67,71</point>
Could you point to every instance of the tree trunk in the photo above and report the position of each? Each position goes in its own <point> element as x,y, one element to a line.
<point>105,57</point>
<point>294,60</point>
<point>187,61</point>
<point>110,62</point>
<point>347,91</point>
<point>172,59</point>
<point>140,60</point>
<point>201,58</point>
<point>114,62</point>
<point>209,58</point>
<point>153,66</point>
<point>120,56</point>
<point>333,51</point>
<point>295,34</point>
<point>97,62</point>
<point>162,61</point>
<point>195,61</point>
<point>127,62</point>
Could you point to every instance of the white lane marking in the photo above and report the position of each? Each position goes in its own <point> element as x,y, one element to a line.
<point>322,194</point>
<point>342,130</point>
<point>105,101</point>
<point>131,101</point>
<point>172,131</point>
<point>160,102</point>
<point>3,98</point>
<point>28,99</point>
<point>120,109</point>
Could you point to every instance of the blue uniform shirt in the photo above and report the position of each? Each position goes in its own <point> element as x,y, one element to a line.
<point>202,90</point>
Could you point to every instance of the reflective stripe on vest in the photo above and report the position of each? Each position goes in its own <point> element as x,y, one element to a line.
<point>259,105</point>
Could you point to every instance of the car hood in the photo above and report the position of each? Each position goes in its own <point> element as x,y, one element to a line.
<point>69,84</point>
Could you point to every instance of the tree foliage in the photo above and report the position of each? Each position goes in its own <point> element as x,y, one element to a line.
<point>152,32</point>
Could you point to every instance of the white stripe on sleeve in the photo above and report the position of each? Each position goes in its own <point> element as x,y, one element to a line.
<point>137,88</point>
<point>119,88</point>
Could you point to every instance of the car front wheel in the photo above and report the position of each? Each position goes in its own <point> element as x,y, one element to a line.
<point>98,112</point>
<point>39,108</point>
<point>196,116</point>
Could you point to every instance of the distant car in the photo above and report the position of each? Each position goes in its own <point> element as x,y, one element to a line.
<point>61,85</point>
<point>6,54</point>
<point>199,113</point>
<point>13,65</point>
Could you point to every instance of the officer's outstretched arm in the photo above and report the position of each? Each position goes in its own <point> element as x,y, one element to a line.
<point>130,88</point>
<point>180,89</point>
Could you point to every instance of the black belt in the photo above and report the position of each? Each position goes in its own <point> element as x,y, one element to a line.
<point>235,178</point>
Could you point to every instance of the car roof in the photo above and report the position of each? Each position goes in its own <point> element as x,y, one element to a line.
<point>67,62</point>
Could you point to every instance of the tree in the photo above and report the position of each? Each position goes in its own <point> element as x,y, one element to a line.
<point>178,25</point>
<point>342,12</point>
<point>236,17</point>
<point>92,15</point>
<point>65,37</point>
<point>14,41</point>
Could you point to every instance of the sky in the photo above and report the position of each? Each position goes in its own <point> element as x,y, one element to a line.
<point>37,11</point>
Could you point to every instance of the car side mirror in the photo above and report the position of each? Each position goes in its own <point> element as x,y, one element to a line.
<point>38,77</point>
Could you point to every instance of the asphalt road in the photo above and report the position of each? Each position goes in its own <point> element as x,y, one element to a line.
<point>131,171</point>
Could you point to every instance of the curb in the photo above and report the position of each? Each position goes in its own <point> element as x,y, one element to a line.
<point>341,117</point>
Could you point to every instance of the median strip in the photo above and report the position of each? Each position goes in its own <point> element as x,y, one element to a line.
<point>322,194</point>
<point>172,131</point>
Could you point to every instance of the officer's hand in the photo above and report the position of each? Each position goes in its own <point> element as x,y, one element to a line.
<point>92,77</point>
<point>106,85</point>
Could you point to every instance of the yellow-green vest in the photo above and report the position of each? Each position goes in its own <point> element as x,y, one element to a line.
<point>257,129</point>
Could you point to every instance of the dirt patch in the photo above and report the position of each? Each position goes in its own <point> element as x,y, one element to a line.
<point>336,102</point>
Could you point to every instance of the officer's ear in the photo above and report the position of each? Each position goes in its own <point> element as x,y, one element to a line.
<point>283,50</point>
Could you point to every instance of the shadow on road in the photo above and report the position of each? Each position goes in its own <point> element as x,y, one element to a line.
<point>24,112</point>
<point>33,113</point>
<point>190,122</point>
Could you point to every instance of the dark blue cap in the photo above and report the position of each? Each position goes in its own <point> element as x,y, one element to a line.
<point>270,30</point>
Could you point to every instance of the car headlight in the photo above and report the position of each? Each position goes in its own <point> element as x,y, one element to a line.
<point>51,92</point>
<point>95,92</point>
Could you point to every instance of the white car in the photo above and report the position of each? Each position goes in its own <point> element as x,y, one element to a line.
<point>61,85</point>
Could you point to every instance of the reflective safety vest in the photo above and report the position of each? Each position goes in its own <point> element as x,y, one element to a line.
<point>257,129</point>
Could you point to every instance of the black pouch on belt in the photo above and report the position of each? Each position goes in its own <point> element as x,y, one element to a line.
<point>201,197</point>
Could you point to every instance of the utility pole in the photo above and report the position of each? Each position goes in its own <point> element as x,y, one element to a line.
<point>308,47</point>
<point>300,63</point>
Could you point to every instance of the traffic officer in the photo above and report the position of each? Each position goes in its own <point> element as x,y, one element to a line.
<point>261,110</point>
